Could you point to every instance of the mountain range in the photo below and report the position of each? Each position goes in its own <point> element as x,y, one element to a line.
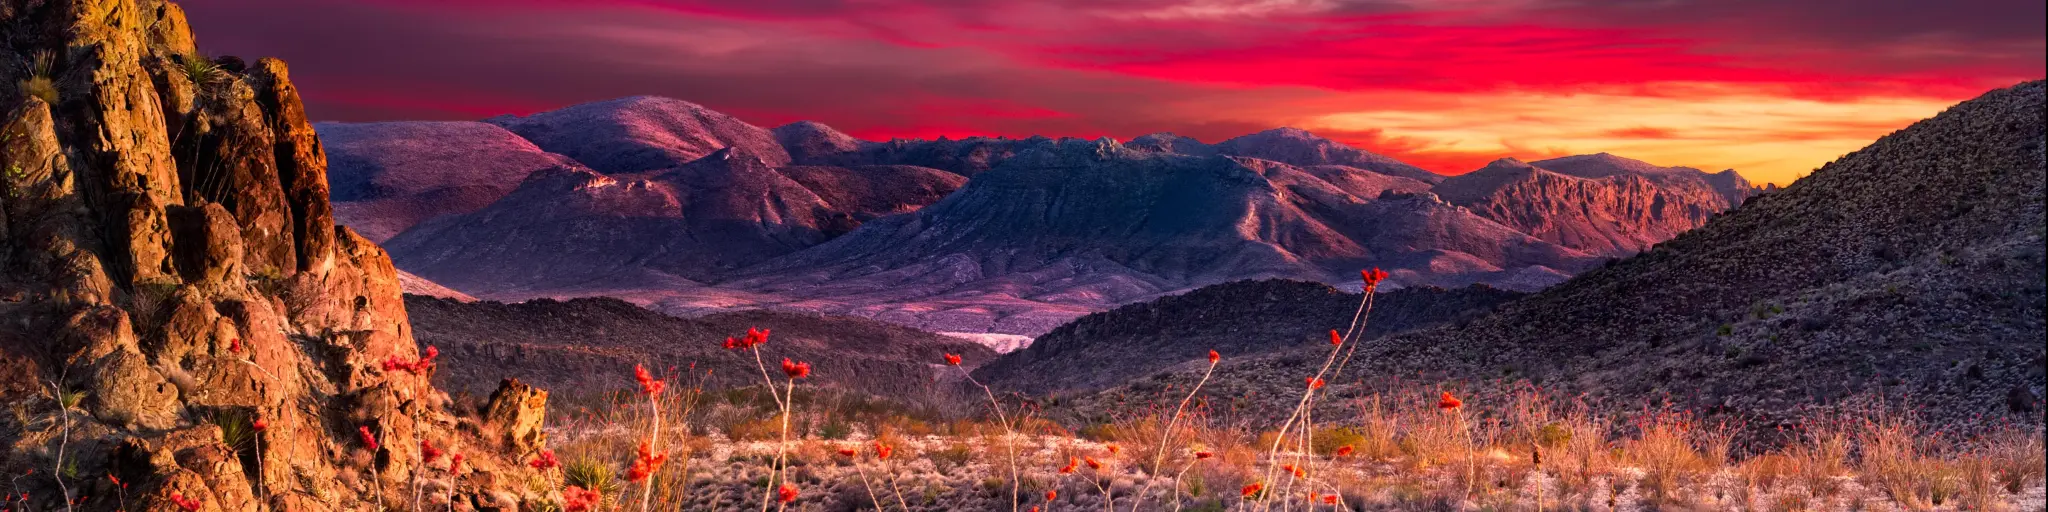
<point>1910,271</point>
<point>671,205</point>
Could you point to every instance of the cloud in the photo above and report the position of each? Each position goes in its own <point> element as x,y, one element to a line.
<point>1773,86</point>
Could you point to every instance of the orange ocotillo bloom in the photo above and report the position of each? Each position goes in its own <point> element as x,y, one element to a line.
<point>1448,402</point>
<point>786,494</point>
<point>1253,489</point>
<point>1213,357</point>
<point>648,384</point>
<point>795,370</point>
<point>1373,277</point>
<point>646,464</point>
<point>369,440</point>
<point>1315,383</point>
<point>1071,464</point>
<point>953,359</point>
<point>1344,451</point>
<point>882,451</point>
<point>1336,339</point>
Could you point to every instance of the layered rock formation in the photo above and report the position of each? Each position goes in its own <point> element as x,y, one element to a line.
<point>183,319</point>
<point>1607,210</point>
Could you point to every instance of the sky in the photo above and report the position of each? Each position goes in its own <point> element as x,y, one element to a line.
<point>1771,88</point>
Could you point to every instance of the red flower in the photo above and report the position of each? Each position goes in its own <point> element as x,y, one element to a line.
<point>1052,495</point>
<point>1112,449</point>
<point>455,463</point>
<point>428,452</point>
<point>1213,357</point>
<point>1315,383</point>
<point>545,461</point>
<point>754,338</point>
<point>786,494</point>
<point>848,452</point>
<point>1253,489</point>
<point>235,345</point>
<point>1203,455</point>
<point>1373,277</point>
<point>416,366</point>
<point>953,359</point>
<point>259,424</point>
<point>369,440</point>
<point>1071,463</point>
<point>116,481</point>
<point>1336,339</point>
<point>646,464</point>
<point>795,370</point>
<point>1330,499</point>
<point>578,499</point>
<point>186,504</point>
<point>882,450</point>
<point>1448,402</point>
<point>1092,463</point>
<point>1344,451</point>
<point>648,384</point>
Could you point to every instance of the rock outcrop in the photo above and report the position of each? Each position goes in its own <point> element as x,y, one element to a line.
<point>183,318</point>
<point>1614,213</point>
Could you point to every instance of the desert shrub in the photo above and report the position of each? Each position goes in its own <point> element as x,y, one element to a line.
<point>1326,441</point>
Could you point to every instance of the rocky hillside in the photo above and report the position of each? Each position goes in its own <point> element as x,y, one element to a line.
<point>1911,269</point>
<point>184,319</point>
<point>388,177</point>
<point>1237,319</point>
<point>1613,210</point>
<point>592,345</point>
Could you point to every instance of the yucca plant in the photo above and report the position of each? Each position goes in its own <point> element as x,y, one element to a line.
<point>41,72</point>
<point>594,475</point>
<point>201,70</point>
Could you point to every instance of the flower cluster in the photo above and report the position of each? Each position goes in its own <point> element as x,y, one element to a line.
<point>1252,489</point>
<point>416,366</point>
<point>428,452</point>
<point>1448,402</point>
<point>1315,383</point>
<point>882,451</point>
<point>545,461</point>
<point>184,503</point>
<point>369,440</point>
<point>795,370</point>
<point>646,464</point>
<point>753,338</point>
<point>786,494</point>
<point>648,384</point>
<point>953,359</point>
<point>1336,339</point>
<point>1373,277</point>
<point>578,499</point>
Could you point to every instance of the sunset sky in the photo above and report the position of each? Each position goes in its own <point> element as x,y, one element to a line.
<point>1770,88</point>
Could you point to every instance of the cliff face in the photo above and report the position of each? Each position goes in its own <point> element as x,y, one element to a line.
<point>181,312</point>
<point>1616,214</point>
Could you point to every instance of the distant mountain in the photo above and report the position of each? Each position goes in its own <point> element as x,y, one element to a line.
<point>1731,186</point>
<point>1913,268</point>
<point>571,228</point>
<point>642,133</point>
<point>387,177</point>
<point>1298,147</point>
<point>593,344</point>
<point>1080,225</point>
<point>1236,319</point>
<point>1613,213</point>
